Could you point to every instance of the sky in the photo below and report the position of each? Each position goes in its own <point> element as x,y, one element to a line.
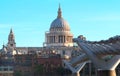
<point>30,19</point>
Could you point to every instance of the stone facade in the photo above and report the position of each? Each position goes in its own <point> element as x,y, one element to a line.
<point>24,65</point>
<point>58,39</point>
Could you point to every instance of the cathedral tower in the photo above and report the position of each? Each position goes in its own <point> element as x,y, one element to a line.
<point>11,40</point>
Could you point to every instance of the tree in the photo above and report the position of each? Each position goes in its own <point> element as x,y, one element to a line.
<point>17,73</point>
<point>60,70</point>
<point>39,69</point>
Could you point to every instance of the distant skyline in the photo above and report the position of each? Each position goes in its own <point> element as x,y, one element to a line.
<point>30,19</point>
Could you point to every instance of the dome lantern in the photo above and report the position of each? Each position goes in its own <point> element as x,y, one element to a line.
<point>59,12</point>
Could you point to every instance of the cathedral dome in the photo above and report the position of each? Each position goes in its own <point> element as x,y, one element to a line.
<point>59,24</point>
<point>59,33</point>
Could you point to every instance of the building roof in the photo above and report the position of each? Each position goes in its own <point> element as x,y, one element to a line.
<point>59,23</point>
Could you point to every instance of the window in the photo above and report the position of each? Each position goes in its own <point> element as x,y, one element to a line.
<point>0,69</point>
<point>63,52</point>
<point>5,69</point>
<point>11,44</point>
<point>11,69</point>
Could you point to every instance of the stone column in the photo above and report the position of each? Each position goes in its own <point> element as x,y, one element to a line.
<point>56,38</point>
<point>63,39</point>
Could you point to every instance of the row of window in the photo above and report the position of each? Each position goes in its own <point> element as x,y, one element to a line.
<point>6,68</point>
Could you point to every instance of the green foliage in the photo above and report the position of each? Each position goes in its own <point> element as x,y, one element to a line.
<point>60,70</point>
<point>17,73</point>
<point>39,68</point>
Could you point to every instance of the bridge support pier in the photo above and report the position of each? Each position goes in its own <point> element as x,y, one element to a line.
<point>76,74</point>
<point>106,73</point>
<point>75,70</point>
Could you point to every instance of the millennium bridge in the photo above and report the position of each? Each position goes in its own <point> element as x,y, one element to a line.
<point>104,54</point>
